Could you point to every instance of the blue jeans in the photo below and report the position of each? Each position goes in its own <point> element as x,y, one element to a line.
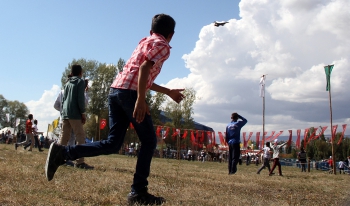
<point>121,107</point>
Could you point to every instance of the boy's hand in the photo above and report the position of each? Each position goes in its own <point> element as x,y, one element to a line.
<point>140,110</point>
<point>176,95</point>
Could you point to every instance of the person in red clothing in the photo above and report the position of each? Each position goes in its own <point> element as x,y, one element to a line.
<point>330,162</point>
<point>29,133</point>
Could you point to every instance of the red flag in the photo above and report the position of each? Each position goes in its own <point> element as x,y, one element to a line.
<point>193,140</point>
<point>159,128</point>
<point>290,138</point>
<point>257,139</point>
<point>175,132</point>
<point>166,132</point>
<point>103,123</point>
<point>323,129</point>
<point>267,139</point>
<point>277,135</point>
<point>131,126</point>
<point>185,134</point>
<point>210,140</point>
<point>222,140</point>
<point>312,136</point>
<point>342,135</point>
<point>334,131</point>
<point>297,143</point>
<point>305,136</point>
<point>202,137</point>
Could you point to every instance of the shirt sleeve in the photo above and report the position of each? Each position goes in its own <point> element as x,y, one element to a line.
<point>57,104</point>
<point>81,96</point>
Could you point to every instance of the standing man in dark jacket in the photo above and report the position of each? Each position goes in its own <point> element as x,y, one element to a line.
<point>233,138</point>
<point>73,111</point>
<point>302,159</point>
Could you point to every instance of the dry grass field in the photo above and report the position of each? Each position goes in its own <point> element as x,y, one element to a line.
<point>23,182</point>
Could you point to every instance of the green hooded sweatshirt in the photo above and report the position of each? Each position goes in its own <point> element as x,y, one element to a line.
<point>73,100</point>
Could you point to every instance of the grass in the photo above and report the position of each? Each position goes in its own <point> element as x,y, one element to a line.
<point>23,182</point>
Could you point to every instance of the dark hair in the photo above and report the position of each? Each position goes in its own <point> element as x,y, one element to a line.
<point>35,121</point>
<point>234,116</point>
<point>30,116</point>
<point>163,24</point>
<point>86,82</point>
<point>267,144</point>
<point>76,70</point>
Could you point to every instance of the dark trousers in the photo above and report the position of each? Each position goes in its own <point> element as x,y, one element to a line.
<point>265,164</point>
<point>276,162</point>
<point>234,153</point>
<point>37,143</point>
<point>121,108</point>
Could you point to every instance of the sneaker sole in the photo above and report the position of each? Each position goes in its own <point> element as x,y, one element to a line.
<point>49,160</point>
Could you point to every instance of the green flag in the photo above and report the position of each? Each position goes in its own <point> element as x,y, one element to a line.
<point>328,70</point>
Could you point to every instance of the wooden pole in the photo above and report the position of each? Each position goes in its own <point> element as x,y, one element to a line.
<point>332,136</point>
<point>263,138</point>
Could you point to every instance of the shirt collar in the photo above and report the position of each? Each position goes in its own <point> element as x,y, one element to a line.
<point>162,37</point>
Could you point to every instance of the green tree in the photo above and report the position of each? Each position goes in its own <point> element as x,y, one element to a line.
<point>120,64</point>
<point>3,106</point>
<point>16,110</point>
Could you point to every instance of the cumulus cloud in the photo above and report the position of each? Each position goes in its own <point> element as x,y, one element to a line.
<point>291,42</point>
<point>43,110</point>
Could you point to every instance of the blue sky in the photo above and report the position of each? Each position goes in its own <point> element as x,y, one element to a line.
<point>290,41</point>
<point>39,38</point>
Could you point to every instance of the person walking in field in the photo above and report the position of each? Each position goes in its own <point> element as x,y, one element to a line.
<point>233,138</point>
<point>29,134</point>
<point>127,103</point>
<point>35,134</point>
<point>276,158</point>
<point>266,157</point>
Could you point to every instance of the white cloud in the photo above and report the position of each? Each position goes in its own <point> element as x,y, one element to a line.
<point>291,42</point>
<point>43,110</point>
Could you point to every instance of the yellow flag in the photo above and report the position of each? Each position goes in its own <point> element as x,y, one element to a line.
<point>55,123</point>
<point>50,128</point>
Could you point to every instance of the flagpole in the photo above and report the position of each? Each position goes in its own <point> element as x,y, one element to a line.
<point>333,139</point>
<point>328,71</point>
<point>263,96</point>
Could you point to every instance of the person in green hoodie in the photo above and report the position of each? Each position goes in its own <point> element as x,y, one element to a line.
<point>73,111</point>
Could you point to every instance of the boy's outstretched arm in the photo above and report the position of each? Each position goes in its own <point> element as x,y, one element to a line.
<point>175,94</point>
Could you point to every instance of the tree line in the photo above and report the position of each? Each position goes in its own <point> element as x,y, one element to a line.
<point>16,110</point>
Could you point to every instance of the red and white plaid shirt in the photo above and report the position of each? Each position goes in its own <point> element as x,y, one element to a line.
<point>153,48</point>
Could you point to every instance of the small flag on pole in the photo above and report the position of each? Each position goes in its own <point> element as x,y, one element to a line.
<point>103,123</point>
<point>328,70</point>
<point>17,121</point>
<point>262,86</point>
<point>8,117</point>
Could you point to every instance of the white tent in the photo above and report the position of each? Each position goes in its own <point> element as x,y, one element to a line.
<point>6,129</point>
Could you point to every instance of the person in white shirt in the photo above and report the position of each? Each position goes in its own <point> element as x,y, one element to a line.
<point>266,155</point>
<point>276,157</point>
<point>341,166</point>
<point>9,137</point>
<point>36,136</point>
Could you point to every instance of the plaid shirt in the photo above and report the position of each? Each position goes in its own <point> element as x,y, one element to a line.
<point>153,48</point>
